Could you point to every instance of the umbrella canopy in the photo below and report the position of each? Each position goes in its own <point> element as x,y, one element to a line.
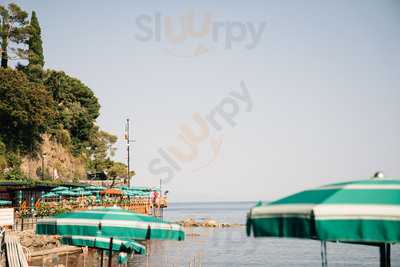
<point>59,188</point>
<point>68,193</point>
<point>83,193</point>
<point>49,195</point>
<point>124,187</point>
<point>5,202</point>
<point>78,189</point>
<point>128,246</point>
<point>95,188</point>
<point>141,188</point>
<point>111,191</point>
<point>110,222</point>
<point>360,211</point>
<point>135,193</point>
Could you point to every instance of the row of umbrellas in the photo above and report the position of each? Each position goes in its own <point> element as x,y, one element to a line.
<point>113,229</point>
<point>90,190</point>
<point>360,212</point>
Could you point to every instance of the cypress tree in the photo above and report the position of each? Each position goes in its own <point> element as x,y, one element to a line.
<point>35,57</point>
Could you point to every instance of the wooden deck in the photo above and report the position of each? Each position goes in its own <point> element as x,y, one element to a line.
<point>15,256</point>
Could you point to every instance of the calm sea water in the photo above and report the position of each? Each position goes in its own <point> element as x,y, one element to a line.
<point>231,247</point>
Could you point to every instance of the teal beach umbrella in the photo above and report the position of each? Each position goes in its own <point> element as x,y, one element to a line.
<point>120,245</point>
<point>110,222</point>
<point>95,188</point>
<point>5,202</point>
<point>59,188</point>
<point>67,193</point>
<point>361,212</point>
<point>78,189</point>
<point>49,195</point>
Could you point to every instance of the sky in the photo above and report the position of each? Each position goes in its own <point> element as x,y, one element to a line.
<point>272,97</point>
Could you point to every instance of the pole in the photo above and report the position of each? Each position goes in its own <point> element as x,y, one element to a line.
<point>102,258</point>
<point>42,166</point>
<point>128,148</point>
<point>159,200</point>
<point>384,253</point>
<point>110,255</point>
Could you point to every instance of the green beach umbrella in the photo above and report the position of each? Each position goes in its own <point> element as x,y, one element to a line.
<point>120,245</point>
<point>59,188</point>
<point>123,187</point>
<point>363,212</point>
<point>5,202</point>
<point>110,222</point>
<point>68,193</point>
<point>95,188</point>
<point>49,195</point>
<point>78,189</point>
<point>134,193</point>
<point>141,188</point>
<point>128,193</point>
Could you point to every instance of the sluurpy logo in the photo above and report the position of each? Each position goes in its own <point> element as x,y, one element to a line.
<point>172,158</point>
<point>189,35</point>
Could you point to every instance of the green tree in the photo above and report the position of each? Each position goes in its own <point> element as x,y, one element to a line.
<point>25,111</point>
<point>14,28</point>
<point>77,109</point>
<point>34,69</point>
<point>3,158</point>
<point>101,150</point>
<point>35,52</point>
<point>118,169</point>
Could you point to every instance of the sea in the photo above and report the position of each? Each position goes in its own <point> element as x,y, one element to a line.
<point>232,247</point>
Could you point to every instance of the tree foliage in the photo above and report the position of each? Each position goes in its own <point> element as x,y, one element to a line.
<point>35,53</point>
<point>77,108</point>
<point>14,32</point>
<point>3,158</point>
<point>25,111</point>
<point>102,149</point>
<point>118,169</point>
<point>34,69</point>
<point>34,101</point>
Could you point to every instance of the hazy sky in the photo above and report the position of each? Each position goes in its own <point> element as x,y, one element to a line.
<point>323,81</point>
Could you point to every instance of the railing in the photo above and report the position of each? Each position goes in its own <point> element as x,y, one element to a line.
<point>26,218</point>
<point>22,224</point>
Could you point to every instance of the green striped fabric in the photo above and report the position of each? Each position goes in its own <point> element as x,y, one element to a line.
<point>110,222</point>
<point>120,245</point>
<point>359,211</point>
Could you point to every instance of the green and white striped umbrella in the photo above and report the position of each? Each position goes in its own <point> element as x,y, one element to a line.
<point>110,222</point>
<point>49,195</point>
<point>59,188</point>
<point>128,246</point>
<point>95,188</point>
<point>359,211</point>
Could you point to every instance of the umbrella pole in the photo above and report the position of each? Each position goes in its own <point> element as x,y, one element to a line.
<point>102,258</point>
<point>384,253</point>
<point>324,258</point>
<point>110,255</point>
